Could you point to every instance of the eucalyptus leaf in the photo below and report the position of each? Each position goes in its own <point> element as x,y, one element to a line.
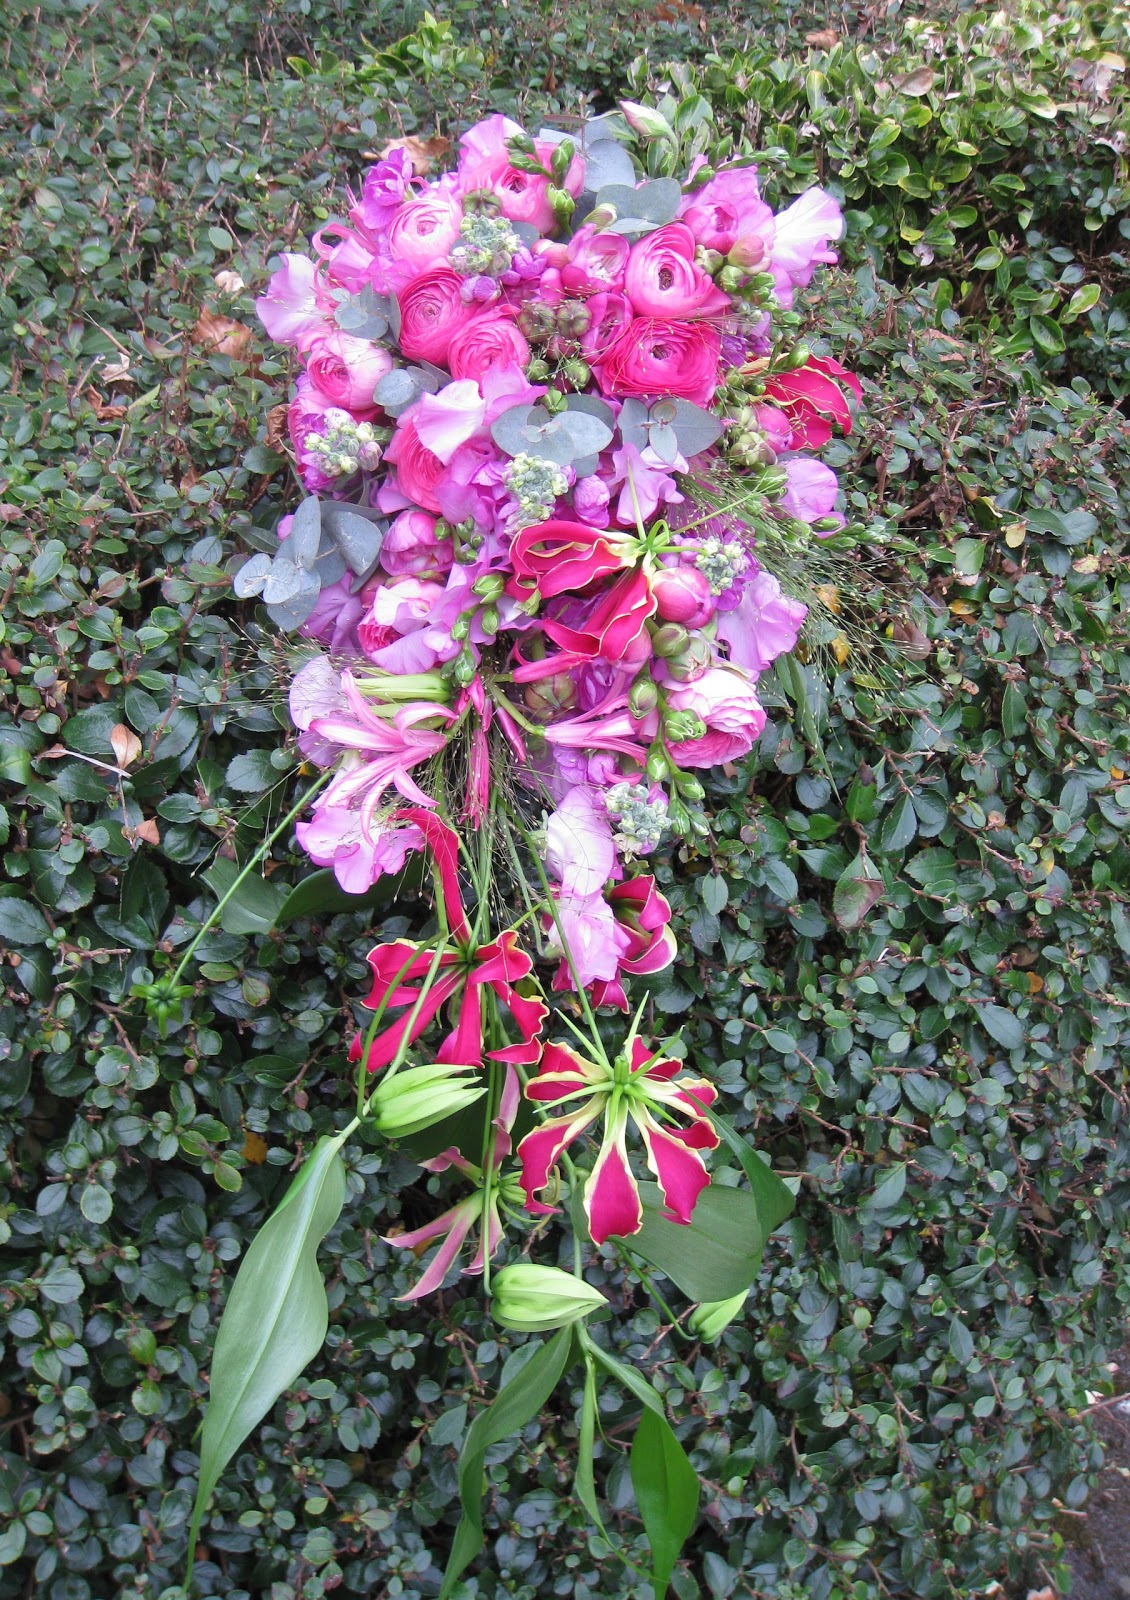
<point>301,544</point>
<point>634,423</point>
<point>368,315</point>
<point>284,581</point>
<point>697,429</point>
<point>330,566</point>
<point>358,539</point>
<point>665,442</point>
<point>275,1319</point>
<point>292,613</point>
<point>398,389</point>
<point>251,577</point>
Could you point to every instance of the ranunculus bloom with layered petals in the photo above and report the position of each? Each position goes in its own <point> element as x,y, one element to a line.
<point>346,370</point>
<point>289,308</point>
<point>484,163</point>
<point>640,1087</point>
<point>661,278</point>
<point>813,397</point>
<point>728,704</point>
<point>423,229</point>
<point>432,312</point>
<point>594,263</point>
<point>418,470</point>
<point>491,340</point>
<point>763,625</point>
<point>399,969</point>
<point>653,359</point>
<point>412,545</point>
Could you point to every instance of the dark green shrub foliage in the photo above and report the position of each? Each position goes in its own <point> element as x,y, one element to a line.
<point>906,947</point>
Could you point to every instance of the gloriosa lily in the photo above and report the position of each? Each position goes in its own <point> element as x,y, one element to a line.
<point>638,1086</point>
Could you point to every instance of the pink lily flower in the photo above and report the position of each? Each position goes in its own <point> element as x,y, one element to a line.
<point>560,557</point>
<point>640,1087</point>
<point>643,918</point>
<point>385,748</point>
<point>813,397</point>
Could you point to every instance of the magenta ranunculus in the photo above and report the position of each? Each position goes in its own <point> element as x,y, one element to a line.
<point>432,311</point>
<point>424,228</point>
<point>654,358</point>
<point>491,340</point>
<point>523,196</point>
<point>417,469</point>
<point>727,703</point>
<point>347,370</point>
<point>662,280</point>
<point>289,308</point>
<point>412,545</point>
<point>611,314</point>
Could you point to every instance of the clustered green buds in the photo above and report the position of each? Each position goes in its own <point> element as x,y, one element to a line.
<point>679,726</point>
<point>532,1299</point>
<point>536,484</point>
<point>345,447</point>
<point>416,1097</point>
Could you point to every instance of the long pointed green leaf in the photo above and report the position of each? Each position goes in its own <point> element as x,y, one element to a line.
<point>775,1200</point>
<point>667,1492</point>
<point>521,1399</point>
<point>716,1255</point>
<point>275,1319</point>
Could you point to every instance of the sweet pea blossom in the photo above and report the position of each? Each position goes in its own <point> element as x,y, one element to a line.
<point>640,1087</point>
<point>763,625</point>
<point>289,308</point>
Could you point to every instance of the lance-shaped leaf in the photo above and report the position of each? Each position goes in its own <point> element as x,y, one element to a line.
<point>667,1493</point>
<point>275,1320</point>
<point>522,1398</point>
<point>774,1199</point>
<point>714,1256</point>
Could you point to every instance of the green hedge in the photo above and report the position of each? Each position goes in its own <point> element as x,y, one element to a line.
<point>898,1414</point>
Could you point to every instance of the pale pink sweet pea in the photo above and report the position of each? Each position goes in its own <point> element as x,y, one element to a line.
<point>579,852</point>
<point>347,261</point>
<point>764,624</point>
<point>359,854</point>
<point>811,492</point>
<point>447,419</point>
<point>645,482</point>
<point>726,701</point>
<point>590,501</point>
<point>346,370</point>
<point>801,239</point>
<point>590,933</point>
<point>289,308</point>
<point>385,187</point>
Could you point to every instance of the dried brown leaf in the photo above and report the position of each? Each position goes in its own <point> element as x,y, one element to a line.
<point>221,334</point>
<point>424,154</point>
<point>125,744</point>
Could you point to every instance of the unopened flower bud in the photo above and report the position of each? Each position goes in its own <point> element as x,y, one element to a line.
<point>773,482</point>
<point>533,1299</point>
<point>670,640</point>
<point>601,216</point>
<point>710,1320</point>
<point>488,620</point>
<point>576,372</point>
<point>800,357</point>
<point>731,279</point>
<point>416,1097</point>
<point>573,318</point>
<point>465,666</point>
<point>682,594</point>
<point>489,586</point>
<point>550,695</point>
<point>708,260</point>
<point>561,201</point>
<point>643,696</point>
<point>682,725</point>
<point>826,525</point>
<point>747,253</point>
<point>537,369</point>
<point>689,786</point>
<point>646,121</point>
<point>536,320</point>
<point>461,627</point>
<point>658,767</point>
<point>692,662</point>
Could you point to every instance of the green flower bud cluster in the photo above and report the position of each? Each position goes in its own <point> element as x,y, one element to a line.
<point>721,563</point>
<point>534,1299</point>
<point>345,446</point>
<point>640,821</point>
<point>487,248</point>
<point>536,484</point>
<point>416,1097</point>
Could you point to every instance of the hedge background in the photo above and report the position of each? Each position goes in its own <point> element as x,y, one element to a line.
<point>898,1414</point>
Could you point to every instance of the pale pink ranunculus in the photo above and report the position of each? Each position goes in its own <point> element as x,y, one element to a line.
<point>418,470</point>
<point>347,370</point>
<point>662,280</point>
<point>412,545</point>
<point>812,489</point>
<point>801,238</point>
<point>763,625</point>
<point>654,359</point>
<point>432,311</point>
<point>491,340</point>
<point>594,262</point>
<point>423,229</point>
<point>727,702</point>
<point>288,308</point>
<point>484,163</point>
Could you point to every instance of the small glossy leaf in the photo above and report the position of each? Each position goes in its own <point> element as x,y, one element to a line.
<point>858,889</point>
<point>1002,1025</point>
<point>888,1191</point>
<point>667,1492</point>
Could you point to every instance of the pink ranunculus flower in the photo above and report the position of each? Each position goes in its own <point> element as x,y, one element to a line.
<point>811,492</point>
<point>590,501</point>
<point>662,280</point>
<point>652,358</point>
<point>594,262</point>
<point>726,701</point>
<point>484,163</point>
<point>491,340</point>
<point>801,238</point>
<point>424,228</point>
<point>412,545</point>
<point>611,313</point>
<point>347,370</point>
<point>289,308</point>
<point>763,625</point>
<point>418,470</point>
<point>432,311</point>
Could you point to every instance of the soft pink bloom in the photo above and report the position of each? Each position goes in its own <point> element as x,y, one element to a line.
<point>801,240</point>
<point>447,419</point>
<point>682,594</point>
<point>385,187</point>
<point>775,426</point>
<point>662,280</point>
<point>653,358</point>
<point>347,261</point>
<point>358,852</point>
<point>484,163</point>
<point>432,311</point>
<point>764,625</point>
<point>346,370</point>
<point>641,1087</point>
<point>646,482</point>
<point>289,308</point>
<point>579,852</point>
<point>611,314</point>
<point>590,933</point>
<point>812,489</point>
<point>590,500</point>
<point>418,470</point>
<point>594,262</point>
<point>491,340</point>
<point>734,717</point>
<point>334,619</point>
<point>734,187</point>
<point>411,545</point>
<point>423,229</point>
<point>644,916</point>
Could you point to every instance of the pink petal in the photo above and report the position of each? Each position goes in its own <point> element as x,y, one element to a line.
<point>681,1174</point>
<point>612,1200</point>
<point>539,1150</point>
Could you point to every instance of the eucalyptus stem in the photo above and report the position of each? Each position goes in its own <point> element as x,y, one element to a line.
<point>259,856</point>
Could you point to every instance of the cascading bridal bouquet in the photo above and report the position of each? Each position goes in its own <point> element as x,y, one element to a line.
<point>552,420</point>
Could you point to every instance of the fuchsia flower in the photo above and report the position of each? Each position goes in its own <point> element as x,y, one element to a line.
<point>662,280</point>
<point>811,492</point>
<point>560,557</point>
<point>418,469</point>
<point>381,750</point>
<point>432,311</point>
<point>639,1086</point>
<point>484,163</point>
<point>399,969</point>
<point>490,340</point>
<point>614,630</point>
<point>655,358</point>
<point>423,229</point>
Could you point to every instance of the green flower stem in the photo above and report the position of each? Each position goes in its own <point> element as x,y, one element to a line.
<point>430,977</point>
<point>260,855</point>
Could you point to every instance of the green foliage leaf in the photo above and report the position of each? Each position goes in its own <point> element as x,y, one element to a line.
<point>667,1492</point>
<point>858,889</point>
<point>321,894</point>
<point>275,1319</point>
<point>255,905</point>
<point>21,923</point>
<point>714,1256</point>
